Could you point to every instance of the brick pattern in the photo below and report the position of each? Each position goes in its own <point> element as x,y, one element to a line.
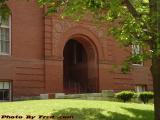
<point>36,64</point>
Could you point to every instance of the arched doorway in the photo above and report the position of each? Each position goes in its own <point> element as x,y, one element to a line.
<point>80,69</point>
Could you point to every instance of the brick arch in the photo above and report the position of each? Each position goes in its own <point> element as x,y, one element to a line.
<point>93,49</point>
<point>84,36</point>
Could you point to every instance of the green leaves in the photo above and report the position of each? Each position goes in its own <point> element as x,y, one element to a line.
<point>125,96</point>
<point>132,22</point>
<point>146,96</point>
<point>4,10</point>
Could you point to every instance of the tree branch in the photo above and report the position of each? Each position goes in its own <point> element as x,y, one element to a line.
<point>131,9</point>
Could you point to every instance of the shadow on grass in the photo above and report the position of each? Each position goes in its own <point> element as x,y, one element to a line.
<point>97,114</point>
<point>141,114</point>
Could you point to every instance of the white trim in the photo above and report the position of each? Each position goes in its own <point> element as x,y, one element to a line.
<point>10,42</point>
<point>4,26</point>
<point>140,65</point>
<point>10,91</point>
<point>10,36</point>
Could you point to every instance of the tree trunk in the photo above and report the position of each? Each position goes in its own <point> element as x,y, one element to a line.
<point>155,69</point>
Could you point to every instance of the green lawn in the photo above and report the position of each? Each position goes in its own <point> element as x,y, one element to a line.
<point>79,109</point>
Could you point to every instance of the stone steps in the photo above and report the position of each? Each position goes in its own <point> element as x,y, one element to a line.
<point>104,95</point>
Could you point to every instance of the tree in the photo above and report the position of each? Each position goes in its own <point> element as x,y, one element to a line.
<point>4,10</point>
<point>139,24</point>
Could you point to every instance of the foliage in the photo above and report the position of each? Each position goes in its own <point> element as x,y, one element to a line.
<point>145,96</point>
<point>4,10</point>
<point>125,95</point>
<point>135,25</point>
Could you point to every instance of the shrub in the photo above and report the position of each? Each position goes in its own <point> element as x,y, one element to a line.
<point>146,96</point>
<point>125,95</point>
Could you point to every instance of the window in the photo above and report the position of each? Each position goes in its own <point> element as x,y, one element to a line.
<point>5,91</point>
<point>136,49</point>
<point>141,88</point>
<point>4,36</point>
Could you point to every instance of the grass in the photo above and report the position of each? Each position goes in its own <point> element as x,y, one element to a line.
<point>79,109</point>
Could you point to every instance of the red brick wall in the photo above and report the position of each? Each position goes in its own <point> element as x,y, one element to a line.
<point>109,51</point>
<point>25,66</point>
<point>36,63</point>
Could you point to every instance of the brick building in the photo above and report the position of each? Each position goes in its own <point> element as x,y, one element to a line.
<point>41,54</point>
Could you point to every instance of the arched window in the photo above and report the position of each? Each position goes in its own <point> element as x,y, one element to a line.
<point>5,36</point>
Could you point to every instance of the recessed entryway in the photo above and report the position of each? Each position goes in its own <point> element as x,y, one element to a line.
<point>80,69</point>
